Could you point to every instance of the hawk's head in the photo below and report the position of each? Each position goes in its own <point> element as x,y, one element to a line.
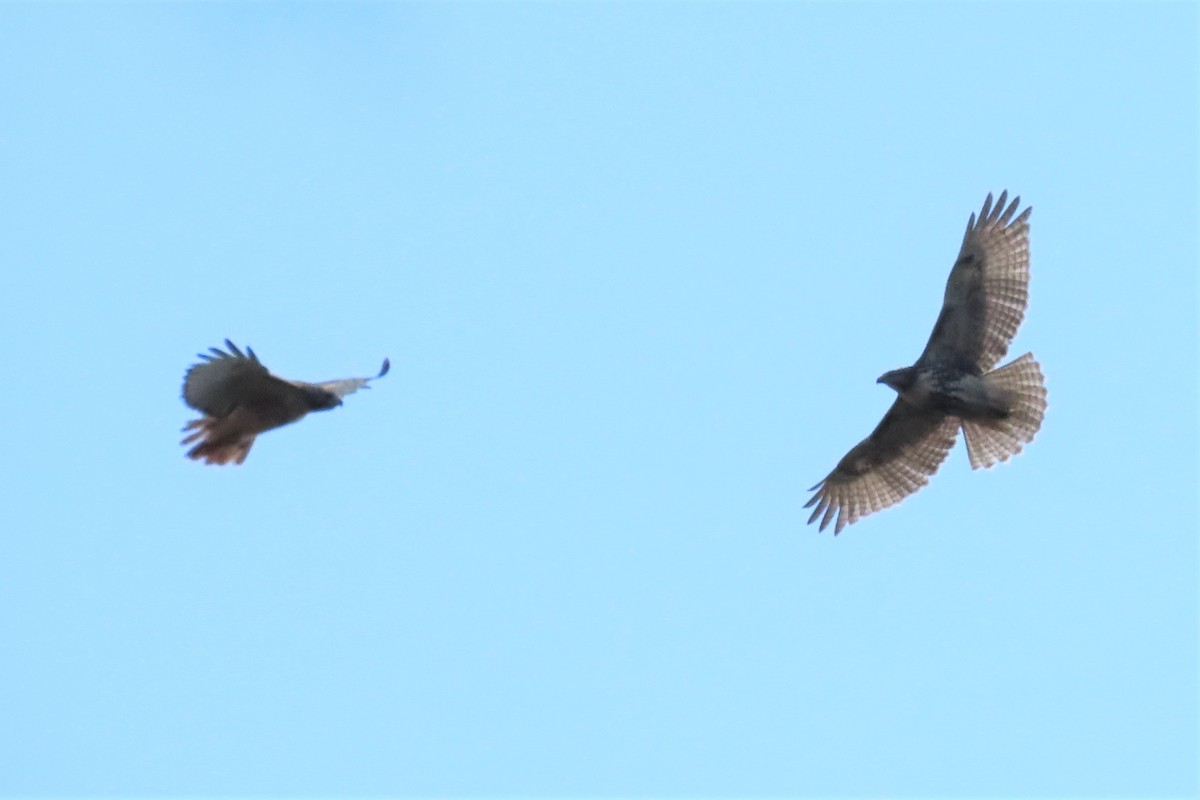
<point>899,379</point>
<point>320,399</point>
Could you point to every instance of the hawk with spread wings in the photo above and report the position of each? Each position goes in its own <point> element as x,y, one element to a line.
<point>241,399</point>
<point>952,385</point>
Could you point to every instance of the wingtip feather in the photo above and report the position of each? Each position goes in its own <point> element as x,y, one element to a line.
<point>987,207</point>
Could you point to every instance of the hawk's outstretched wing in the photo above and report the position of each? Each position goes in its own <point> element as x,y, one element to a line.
<point>907,447</point>
<point>224,381</point>
<point>341,388</point>
<point>987,291</point>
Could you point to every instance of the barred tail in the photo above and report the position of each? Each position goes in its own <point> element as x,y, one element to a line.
<point>1023,388</point>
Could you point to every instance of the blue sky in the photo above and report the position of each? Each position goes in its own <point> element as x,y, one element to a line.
<point>637,267</point>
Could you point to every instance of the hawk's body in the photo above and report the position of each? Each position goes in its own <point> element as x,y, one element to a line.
<point>950,385</point>
<point>241,399</point>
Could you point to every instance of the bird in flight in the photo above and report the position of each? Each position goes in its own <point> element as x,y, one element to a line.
<point>241,399</point>
<point>953,384</point>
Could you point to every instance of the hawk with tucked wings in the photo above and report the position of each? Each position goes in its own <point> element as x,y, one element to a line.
<point>241,399</point>
<point>952,385</point>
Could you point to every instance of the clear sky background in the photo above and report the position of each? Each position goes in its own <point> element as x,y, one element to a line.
<point>637,267</point>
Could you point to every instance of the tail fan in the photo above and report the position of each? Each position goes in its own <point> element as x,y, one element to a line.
<point>993,440</point>
<point>211,449</point>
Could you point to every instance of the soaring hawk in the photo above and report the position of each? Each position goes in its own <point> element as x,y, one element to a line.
<point>240,399</point>
<point>952,385</point>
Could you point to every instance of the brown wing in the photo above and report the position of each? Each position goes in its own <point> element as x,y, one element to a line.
<point>987,291</point>
<point>896,460</point>
<point>223,382</point>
